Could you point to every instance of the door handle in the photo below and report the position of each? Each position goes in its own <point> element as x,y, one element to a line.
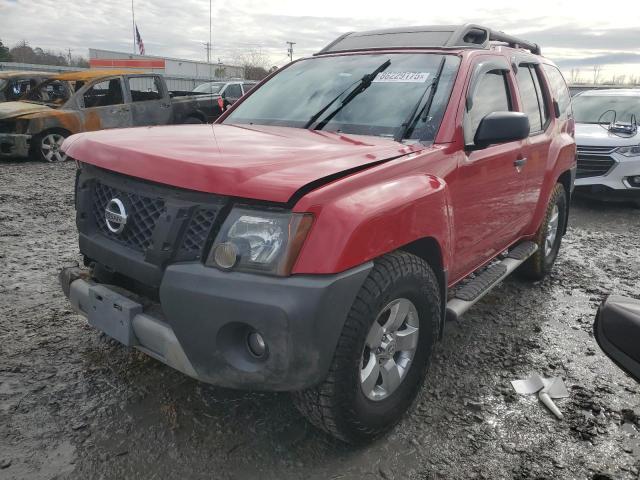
<point>520,162</point>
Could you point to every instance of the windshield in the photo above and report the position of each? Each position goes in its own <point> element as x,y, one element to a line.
<point>591,109</point>
<point>209,88</point>
<point>51,92</point>
<point>300,91</point>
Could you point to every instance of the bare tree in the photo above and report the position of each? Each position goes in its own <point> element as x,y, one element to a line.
<point>23,53</point>
<point>575,75</point>
<point>596,74</point>
<point>255,63</point>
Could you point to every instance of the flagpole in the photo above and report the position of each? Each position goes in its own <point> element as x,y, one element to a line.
<point>210,45</point>
<point>133,27</point>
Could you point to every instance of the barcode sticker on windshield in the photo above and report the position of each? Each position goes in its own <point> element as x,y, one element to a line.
<point>406,77</point>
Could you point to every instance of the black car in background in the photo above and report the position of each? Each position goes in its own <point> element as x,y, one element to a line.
<point>229,91</point>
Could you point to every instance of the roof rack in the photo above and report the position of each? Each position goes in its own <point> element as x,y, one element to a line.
<point>431,36</point>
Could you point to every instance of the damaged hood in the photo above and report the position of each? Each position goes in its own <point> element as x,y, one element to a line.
<point>18,109</point>
<point>247,161</point>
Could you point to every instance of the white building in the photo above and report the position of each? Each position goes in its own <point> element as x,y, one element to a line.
<point>180,74</point>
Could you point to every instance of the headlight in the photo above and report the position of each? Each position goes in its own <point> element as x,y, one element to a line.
<point>630,151</point>
<point>259,241</point>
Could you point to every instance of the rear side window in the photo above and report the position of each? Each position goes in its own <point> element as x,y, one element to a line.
<point>533,101</point>
<point>491,95</point>
<point>559,90</point>
<point>145,88</point>
<point>233,91</point>
<point>542,101</point>
<point>247,86</point>
<point>103,94</point>
<point>529,98</point>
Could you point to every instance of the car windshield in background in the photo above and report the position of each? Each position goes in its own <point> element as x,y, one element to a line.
<point>52,92</point>
<point>300,91</point>
<point>600,108</point>
<point>209,88</point>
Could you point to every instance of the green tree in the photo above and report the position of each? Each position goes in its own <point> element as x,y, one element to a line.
<point>4,53</point>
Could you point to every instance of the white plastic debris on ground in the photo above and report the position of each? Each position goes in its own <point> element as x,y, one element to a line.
<point>546,388</point>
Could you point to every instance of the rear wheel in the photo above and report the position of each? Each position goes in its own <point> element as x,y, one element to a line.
<point>548,237</point>
<point>46,146</point>
<point>382,355</point>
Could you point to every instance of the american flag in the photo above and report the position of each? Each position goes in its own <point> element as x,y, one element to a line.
<point>139,41</point>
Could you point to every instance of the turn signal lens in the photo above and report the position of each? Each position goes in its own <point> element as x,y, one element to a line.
<point>225,255</point>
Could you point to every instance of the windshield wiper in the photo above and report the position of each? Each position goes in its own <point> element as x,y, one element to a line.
<point>406,128</point>
<point>361,86</point>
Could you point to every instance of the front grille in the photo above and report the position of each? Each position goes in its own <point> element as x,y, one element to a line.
<point>594,161</point>
<point>198,230</point>
<point>587,149</point>
<point>143,213</point>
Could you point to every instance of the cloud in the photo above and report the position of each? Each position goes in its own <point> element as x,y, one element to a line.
<point>179,29</point>
<point>609,59</point>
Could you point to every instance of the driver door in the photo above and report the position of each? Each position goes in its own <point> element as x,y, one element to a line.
<point>487,197</point>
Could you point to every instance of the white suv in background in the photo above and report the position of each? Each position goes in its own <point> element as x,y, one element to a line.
<point>608,143</point>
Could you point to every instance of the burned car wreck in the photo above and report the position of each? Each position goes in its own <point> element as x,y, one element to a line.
<point>93,100</point>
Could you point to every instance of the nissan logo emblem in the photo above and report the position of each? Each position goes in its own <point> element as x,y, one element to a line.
<point>115,215</point>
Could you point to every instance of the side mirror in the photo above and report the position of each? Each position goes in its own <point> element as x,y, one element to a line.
<point>501,127</point>
<point>617,331</point>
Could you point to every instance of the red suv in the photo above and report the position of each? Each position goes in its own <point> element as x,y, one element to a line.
<point>318,235</point>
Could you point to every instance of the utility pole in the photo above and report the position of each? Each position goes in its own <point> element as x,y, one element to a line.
<point>207,46</point>
<point>290,50</point>
<point>69,56</point>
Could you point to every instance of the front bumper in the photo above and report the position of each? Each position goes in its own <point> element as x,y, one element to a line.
<point>14,145</point>
<point>204,317</point>
<point>616,177</point>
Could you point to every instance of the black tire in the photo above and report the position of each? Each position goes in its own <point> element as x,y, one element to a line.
<point>44,139</point>
<point>193,120</point>
<point>540,263</point>
<point>339,405</point>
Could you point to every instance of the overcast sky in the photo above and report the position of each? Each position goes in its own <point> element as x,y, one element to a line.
<point>576,34</point>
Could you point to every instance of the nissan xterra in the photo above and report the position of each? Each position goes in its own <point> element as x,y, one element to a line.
<point>318,235</point>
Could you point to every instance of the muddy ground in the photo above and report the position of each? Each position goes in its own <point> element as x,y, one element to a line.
<point>74,404</point>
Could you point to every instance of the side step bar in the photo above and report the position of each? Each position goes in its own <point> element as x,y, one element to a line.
<point>477,288</point>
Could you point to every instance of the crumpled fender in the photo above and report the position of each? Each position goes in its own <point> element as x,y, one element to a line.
<point>355,225</point>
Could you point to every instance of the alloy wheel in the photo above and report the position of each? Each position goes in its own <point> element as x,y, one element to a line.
<point>50,147</point>
<point>389,349</point>
<point>552,231</point>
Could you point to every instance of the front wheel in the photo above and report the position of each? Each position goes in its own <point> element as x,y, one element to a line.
<point>47,147</point>
<point>548,237</point>
<point>383,353</point>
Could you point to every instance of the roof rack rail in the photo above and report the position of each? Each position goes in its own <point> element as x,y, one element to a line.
<point>431,36</point>
<point>515,42</point>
